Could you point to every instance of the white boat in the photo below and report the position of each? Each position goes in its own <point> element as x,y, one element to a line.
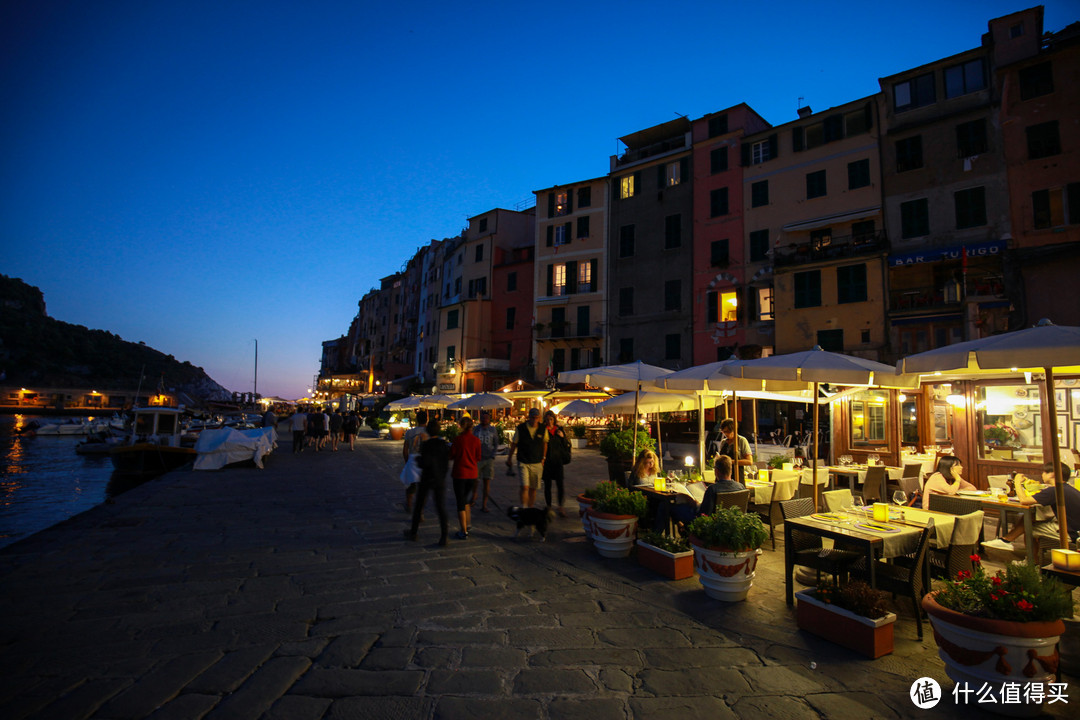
<point>75,426</point>
<point>153,446</point>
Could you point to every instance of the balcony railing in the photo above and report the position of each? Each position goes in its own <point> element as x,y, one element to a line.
<point>946,296</point>
<point>833,248</point>
<point>566,330</point>
<point>664,146</point>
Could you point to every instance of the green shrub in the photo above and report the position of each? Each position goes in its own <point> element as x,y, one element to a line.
<point>578,430</point>
<point>619,445</point>
<point>664,542</point>
<point>729,528</point>
<point>776,462</point>
<point>600,491</point>
<point>622,502</point>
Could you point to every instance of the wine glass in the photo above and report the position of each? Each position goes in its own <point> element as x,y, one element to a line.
<point>751,472</point>
<point>899,497</point>
<point>798,462</point>
<point>858,503</point>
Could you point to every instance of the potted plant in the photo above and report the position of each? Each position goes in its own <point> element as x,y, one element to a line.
<point>1001,630</point>
<point>854,615</point>
<point>612,521</point>
<point>726,547</point>
<point>618,448</point>
<point>671,557</point>
<point>591,495</point>
<point>776,462</point>
<point>577,436</point>
<point>1001,434</point>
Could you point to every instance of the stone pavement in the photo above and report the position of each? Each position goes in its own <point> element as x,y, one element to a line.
<point>289,592</point>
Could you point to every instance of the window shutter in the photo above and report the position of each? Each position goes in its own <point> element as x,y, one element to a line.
<point>550,280</point>
<point>551,205</point>
<point>711,312</point>
<point>774,147</point>
<point>798,139</point>
<point>571,276</point>
<point>550,235</point>
<point>569,201</point>
<point>745,151</point>
<point>592,272</point>
<point>568,229</point>
<point>684,169</point>
<point>637,183</point>
<point>834,128</point>
<point>661,177</point>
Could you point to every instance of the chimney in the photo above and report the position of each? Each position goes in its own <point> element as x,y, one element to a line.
<point>805,111</point>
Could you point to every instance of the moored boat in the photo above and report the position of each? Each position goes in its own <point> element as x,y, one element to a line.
<point>154,446</point>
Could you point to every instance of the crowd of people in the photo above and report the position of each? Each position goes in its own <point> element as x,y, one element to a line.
<point>318,429</point>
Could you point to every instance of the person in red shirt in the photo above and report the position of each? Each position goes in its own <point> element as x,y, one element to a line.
<point>465,452</point>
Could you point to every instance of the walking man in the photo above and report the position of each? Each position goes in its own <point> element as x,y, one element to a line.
<point>529,441</point>
<point>488,435</point>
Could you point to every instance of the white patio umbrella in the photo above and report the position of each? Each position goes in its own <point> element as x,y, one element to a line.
<point>630,376</point>
<point>1045,348</point>
<point>435,402</point>
<point>650,402</point>
<point>578,409</point>
<point>816,366</point>
<point>481,401</point>
<point>411,402</point>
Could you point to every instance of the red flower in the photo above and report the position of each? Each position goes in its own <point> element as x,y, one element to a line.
<point>1024,605</point>
<point>995,598</point>
<point>975,559</point>
<point>963,575</point>
<point>996,579</point>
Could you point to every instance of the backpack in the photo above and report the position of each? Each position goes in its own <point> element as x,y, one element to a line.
<point>564,449</point>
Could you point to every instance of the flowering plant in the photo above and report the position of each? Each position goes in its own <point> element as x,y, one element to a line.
<point>855,596</point>
<point>1000,433</point>
<point>1020,593</point>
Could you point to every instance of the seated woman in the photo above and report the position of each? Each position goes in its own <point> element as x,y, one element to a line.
<point>946,479</point>
<point>646,469</point>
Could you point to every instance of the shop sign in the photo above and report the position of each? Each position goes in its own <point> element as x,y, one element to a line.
<point>974,250</point>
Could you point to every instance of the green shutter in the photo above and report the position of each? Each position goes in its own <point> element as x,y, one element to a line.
<point>744,149</point>
<point>712,310</point>
<point>661,178</point>
<point>551,205</point>
<point>592,275</point>
<point>550,280</point>
<point>550,235</point>
<point>571,276</point>
<point>798,139</point>
<point>774,147</point>
<point>569,201</point>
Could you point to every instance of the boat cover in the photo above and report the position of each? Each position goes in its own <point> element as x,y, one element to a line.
<point>217,448</point>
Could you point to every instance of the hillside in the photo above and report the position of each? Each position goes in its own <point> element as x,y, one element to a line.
<point>39,351</point>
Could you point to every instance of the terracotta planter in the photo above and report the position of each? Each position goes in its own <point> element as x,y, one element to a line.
<point>613,535</point>
<point>872,638</point>
<point>725,574</point>
<point>397,433</point>
<point>584,504</point>
<point>677,566</point>
<point>995,652</point>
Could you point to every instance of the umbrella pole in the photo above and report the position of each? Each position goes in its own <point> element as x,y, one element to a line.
<point>813,478</point>
<point>753,407</point>
<point>701,433</point>
<point>634,421</point>
<point>659,442</point>
<point>1055,455</point>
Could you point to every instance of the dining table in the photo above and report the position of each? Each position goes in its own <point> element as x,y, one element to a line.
<point>761,490</point>
<point>856,474</point>
<point>991,501</point>
<point>855,527</point>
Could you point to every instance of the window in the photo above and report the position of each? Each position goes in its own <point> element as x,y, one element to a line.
<point>562,206</point>
<point>718,253</point>
<point>626,187</point>
<point>451,353</point>
<point>864,337</point>
<point>718,202</point>
<point>859,121</point>
<point>807,287</point>
<point>759,193</point>
<point>562,234</point>
<point>851,283</point>
<point>765,303</point>
<point>511,316</point>
<point>718,125</point>
<point>718,161</point>
<point>626,301</point>
<point>672,295</point>
<point>1036,80</point>
<point>1016,31</point>
<point>869,411</point>
<point>585,276</point>
<point>1043,140</point>
<point>815,184</point>
<point>831,340</point>
<point>479,253</point>
<point>759,245</point>
<point>558,359</point>
<point>914,93</point>
<point>863,231</point>
<point>721,307</point>
<point>583,227</point>
<point>970,207</point>
<point>584,197</point>
<point>558,279</point>
<point>451,319</point>
<point>483,225</point>
<point>558,322</point>
<point>673,347</point>
<point>820,238</point>
<point>575,358</point>
<point>672,231</point>
<point>858,174</point>
<point>477,287</point>
<point>583,320</point>
<point>965,78</point>
<point>626,350</point>
<point>673,173</point>
<point>759,152</point>
<point>909,153</point>
<point>457,286</point>
<point>971,138</point>
<point>1056,207</point>
<point>914,218</point>
<point>1010,420</point>
<point>511,281</point>
<point>626,241</point>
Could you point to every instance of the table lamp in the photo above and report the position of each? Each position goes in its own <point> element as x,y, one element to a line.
<point>1065,559</point>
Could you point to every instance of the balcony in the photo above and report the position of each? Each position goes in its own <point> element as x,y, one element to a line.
<point>638,154</point>
<point>833,248</point>
<point>919,299</point>
<point>567,331</point>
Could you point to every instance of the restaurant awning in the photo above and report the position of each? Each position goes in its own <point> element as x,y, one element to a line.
<point>826,220</point>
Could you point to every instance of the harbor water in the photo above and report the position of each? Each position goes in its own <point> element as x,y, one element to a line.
<point>44,481</point>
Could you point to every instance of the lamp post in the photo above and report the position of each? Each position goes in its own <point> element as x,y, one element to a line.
<point>255,389</point>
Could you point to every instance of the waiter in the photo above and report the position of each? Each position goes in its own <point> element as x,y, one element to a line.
<point>735,447</point>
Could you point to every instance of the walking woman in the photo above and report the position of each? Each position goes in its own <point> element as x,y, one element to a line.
<point>555,443</point>
<point>465,452</point>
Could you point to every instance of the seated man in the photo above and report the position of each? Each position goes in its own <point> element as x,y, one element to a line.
<point>684,512</point>
<point>1046,497</point>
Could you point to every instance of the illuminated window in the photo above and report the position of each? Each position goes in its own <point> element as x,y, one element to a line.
<point>559,279</point>
<point>1011,422</point>
<point>729,306</point>
<point>869,415</point>
<point>561,205</point>
<point>672,174</point>
<point>765,303</point>
<point>584,275</point>
<point>626,187</point>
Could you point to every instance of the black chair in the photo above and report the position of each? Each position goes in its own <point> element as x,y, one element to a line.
<point>911,478</point>
<point>738,499</point>
<point>909,578</point>
<point>951,504</point>
<point>947,562</point>
<point>872,484</point>
<point>807,548</point>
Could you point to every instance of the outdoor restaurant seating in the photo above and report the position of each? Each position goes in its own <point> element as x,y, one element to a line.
<point>947,562</point>
<point>771,513</point>
<point>908,578</point>
<point>837,500</point>
<point>807,548</point>
<point>952,504</point>
<point>874,485</point>
<point>739,499</point>
<point>806,481</point>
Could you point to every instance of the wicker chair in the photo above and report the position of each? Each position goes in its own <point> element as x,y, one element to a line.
<point>873,484</point>
<point>807,548</point>
<point>909,579</point>
<point>714,500</point>
<point>952,504</point>
<point>947,562</point>
<point>772,514</point>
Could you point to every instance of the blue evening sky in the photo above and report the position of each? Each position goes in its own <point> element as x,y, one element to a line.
<point>198,175</point>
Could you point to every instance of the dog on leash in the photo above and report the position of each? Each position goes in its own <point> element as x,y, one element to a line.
<point>531,518</point>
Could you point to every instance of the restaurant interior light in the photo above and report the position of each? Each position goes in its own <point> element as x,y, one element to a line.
<point>688,461</point>
<point>955,400</point>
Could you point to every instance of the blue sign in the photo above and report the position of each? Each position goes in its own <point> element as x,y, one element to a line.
<point>993,248</point>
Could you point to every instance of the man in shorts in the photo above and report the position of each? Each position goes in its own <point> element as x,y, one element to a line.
<point>530,443</point>
<point>489,447</point>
